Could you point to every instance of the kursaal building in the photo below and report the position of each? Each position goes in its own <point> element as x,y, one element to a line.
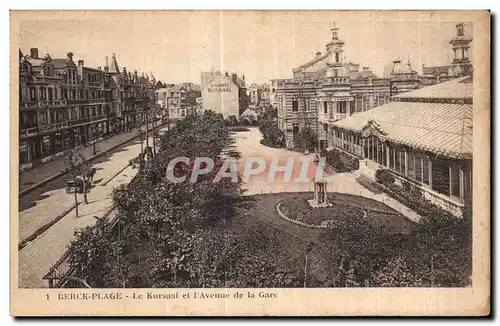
<point>419,127</point>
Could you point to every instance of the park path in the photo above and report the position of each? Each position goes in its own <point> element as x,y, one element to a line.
<point>248,144</point>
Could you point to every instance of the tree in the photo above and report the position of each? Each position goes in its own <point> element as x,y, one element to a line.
<point>268,126</point>
<point>71,166</point>
<point>162,223</point>
<point>78,166</point>
<point>85,168</point>
<point>306,140</point>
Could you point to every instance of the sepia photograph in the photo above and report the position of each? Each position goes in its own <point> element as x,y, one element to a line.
<point>217,156</point>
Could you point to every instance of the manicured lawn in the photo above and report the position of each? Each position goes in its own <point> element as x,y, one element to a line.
<point>344,206</point>
<point>291,239</point>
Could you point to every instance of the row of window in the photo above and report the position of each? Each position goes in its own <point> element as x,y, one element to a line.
<point>52,93</point>
<point>359,105</point>
<point>70,77</point>
<point>29,119</point>
<point>57,142</point>
<point>442,175</point>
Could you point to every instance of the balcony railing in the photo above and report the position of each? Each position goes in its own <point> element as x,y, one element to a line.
<point>97,100</point>
<point>28,131</point>
<point>42,104</point>
<point>53,126</point>
<point>87,119</point>
<point>78,101</point>
<point>336,81</point>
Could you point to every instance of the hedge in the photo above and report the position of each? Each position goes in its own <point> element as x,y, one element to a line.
<point>340,161</point>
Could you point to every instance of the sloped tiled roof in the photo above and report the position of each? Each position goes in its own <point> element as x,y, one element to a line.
<point>177,88</point>
<point>459,88</point>
<point>435,70</point>
<point>196,87</point>
<point>362,74</point>
<point>441,128</point>
<point>312,61</point>
<point>59,63</point>
<point>34,62</point>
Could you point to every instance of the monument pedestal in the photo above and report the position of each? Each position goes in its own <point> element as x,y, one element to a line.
<point>320,198</point>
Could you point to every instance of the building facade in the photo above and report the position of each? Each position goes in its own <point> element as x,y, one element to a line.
<point>423,137</point>
<point>224,94</point>
<point>254,92</point>
<point>460,65</point>
<point>64,105</point>
<point>265,95</point>
<point>339,88</point>
<point>179,100</point>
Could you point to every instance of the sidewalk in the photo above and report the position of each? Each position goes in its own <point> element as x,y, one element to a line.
<point>36,258</point>
<point>50,203</point>
<point>41,174</point>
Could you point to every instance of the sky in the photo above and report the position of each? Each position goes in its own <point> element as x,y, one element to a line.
<point>262,45</point>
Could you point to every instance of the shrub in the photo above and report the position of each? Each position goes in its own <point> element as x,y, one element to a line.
<point>306,140</point>
<point>341,162</point>
<point>384,177</point>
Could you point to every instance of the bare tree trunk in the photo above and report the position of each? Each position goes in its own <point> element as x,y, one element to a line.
<point>85,200</point>
<point>76,197</point>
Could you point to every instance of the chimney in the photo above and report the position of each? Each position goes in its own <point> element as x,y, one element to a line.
<point>34,53</point>
<point>106,67</point>
<point>243,77</point>
<point>234,78</point>
<point>226,74</point>
<point>99,68</point>
<point>80,63</point>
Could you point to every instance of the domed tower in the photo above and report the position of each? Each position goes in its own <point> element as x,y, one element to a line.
<point>460,45</point>
<point>335,97</point>
<point>335,55</point>
<point>402,77</point>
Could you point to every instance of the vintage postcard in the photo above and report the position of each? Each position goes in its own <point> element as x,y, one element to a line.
<point>250,163</point>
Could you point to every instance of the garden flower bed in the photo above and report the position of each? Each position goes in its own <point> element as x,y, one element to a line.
<point>344,207</point>
<point>408,194</point>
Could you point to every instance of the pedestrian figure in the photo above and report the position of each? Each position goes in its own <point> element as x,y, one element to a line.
<point>90,174</point>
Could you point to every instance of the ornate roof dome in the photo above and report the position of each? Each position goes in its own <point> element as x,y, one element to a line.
<point>396,67</point>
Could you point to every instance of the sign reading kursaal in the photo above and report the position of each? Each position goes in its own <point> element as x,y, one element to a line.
<point>221,87</point>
